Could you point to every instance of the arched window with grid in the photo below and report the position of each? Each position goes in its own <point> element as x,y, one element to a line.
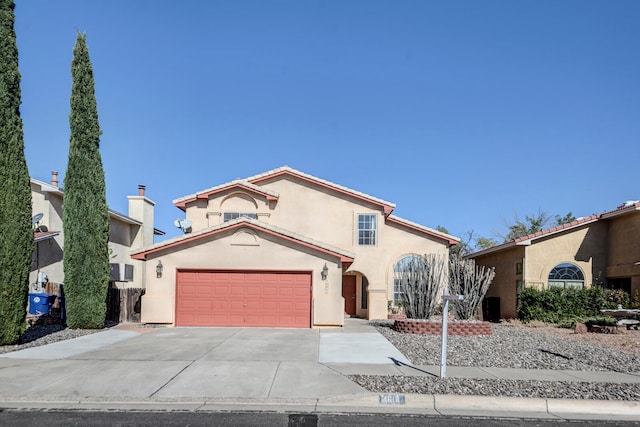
<point>565,276</point>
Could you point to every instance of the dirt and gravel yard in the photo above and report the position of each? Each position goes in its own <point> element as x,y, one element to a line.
<point>516,346</point>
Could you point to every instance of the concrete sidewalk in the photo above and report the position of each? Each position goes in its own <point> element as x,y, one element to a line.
<point>208,369</point>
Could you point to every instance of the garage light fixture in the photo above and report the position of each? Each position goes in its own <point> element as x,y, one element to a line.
<point>325,272</point>
<point>159,269</point>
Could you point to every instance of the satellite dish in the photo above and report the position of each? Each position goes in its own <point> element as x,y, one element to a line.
<point>36,218</point>
<point>182,224</point>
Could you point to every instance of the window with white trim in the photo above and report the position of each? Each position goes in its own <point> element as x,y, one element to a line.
<point>367,229</point>
<point>228,216</point>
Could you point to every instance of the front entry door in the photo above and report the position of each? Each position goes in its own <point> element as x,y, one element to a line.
<point>349,294</point>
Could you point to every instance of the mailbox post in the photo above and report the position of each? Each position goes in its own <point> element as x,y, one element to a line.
<point>445,317</point>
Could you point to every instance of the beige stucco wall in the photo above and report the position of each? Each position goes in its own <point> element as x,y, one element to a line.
<point>326,216</point>
<point>624,249</point>
<point>584,247</point>
<point>504,282</point>
<point>47,257</point>
<point>123,236</point>
<point>141,209</point>
<point>243,249</point>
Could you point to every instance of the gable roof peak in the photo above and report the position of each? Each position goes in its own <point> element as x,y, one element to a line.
<point>388,207</point>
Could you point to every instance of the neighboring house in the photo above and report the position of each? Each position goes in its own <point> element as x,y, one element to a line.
<point>282,248</point>
<point>125,233</point>
<point>601,249</point>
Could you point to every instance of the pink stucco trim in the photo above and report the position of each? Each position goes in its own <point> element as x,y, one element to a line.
<point>343,258</point>
<point>236,185</point>
<point>386,208</point>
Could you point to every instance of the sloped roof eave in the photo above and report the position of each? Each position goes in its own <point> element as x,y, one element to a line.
<point>344,256</point>
<point>531,238</point>
<point>387,207</point>
<point>181,202</point>
<point>451,240</point>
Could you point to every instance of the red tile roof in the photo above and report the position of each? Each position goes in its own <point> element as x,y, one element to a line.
<point>623,209</point>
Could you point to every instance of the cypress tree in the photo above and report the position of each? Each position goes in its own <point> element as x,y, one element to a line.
<point>86,216</point>
<point>16,233</point>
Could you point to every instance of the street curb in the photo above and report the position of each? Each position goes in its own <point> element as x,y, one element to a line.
<point>595,407</point>
<point>436,405</point>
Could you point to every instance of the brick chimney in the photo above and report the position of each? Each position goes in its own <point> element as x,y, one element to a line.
<point>54,178</point>
<point>141,189</point>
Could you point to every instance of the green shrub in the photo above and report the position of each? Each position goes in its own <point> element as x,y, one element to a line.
<point>600,320</point>
<point>566,306</point>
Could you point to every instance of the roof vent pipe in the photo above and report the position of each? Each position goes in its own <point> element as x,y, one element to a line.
<point>141,189</point>
<point>54,178</point>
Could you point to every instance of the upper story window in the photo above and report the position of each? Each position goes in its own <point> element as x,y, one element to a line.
<point>228,216</point>
<point>518,268</point>
<point>367,229</point>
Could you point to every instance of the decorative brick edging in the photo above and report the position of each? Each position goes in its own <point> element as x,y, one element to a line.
<point>422,327</point>
<point>396,316</point>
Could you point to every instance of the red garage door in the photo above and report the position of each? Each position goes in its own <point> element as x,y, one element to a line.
<point>243,298</point>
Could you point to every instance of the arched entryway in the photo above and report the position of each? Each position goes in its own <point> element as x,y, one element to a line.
<point>355,291</point>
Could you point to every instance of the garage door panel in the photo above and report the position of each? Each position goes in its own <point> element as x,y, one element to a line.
<point>254,291</point>
<point>286,292</point>
<point>187,275</point>
<point>189,289</point>
<point>236,304</point>
<point>243,299</point>
<point>237,290</point>
<point>204,305</point>
<point>270,306</point>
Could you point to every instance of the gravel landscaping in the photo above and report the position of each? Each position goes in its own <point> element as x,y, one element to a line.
<point>512,347</point>
<point>39,335</point>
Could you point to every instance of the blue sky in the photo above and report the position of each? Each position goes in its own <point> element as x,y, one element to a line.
<point>463,113</point>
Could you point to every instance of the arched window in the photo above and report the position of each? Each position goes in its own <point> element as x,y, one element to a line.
<point>566,276</point>
<point>399,266</point>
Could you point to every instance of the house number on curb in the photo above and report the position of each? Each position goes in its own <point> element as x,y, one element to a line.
<point>445,316</point>
<point>391,399</point>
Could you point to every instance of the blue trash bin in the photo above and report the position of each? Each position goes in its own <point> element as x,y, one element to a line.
<point>40,303</point>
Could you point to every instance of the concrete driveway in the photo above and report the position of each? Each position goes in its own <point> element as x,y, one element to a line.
<point>186,363</point>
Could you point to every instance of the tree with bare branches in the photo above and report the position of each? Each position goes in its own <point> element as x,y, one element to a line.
<point>422,278</point>
<point>471,281</point>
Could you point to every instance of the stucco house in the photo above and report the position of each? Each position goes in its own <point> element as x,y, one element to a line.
<point>282,248</point>
<point>600,249</point>
<point>126,232</point>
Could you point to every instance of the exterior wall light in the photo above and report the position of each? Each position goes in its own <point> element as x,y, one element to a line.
<point>325,272</point>
<point>159,269</point>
